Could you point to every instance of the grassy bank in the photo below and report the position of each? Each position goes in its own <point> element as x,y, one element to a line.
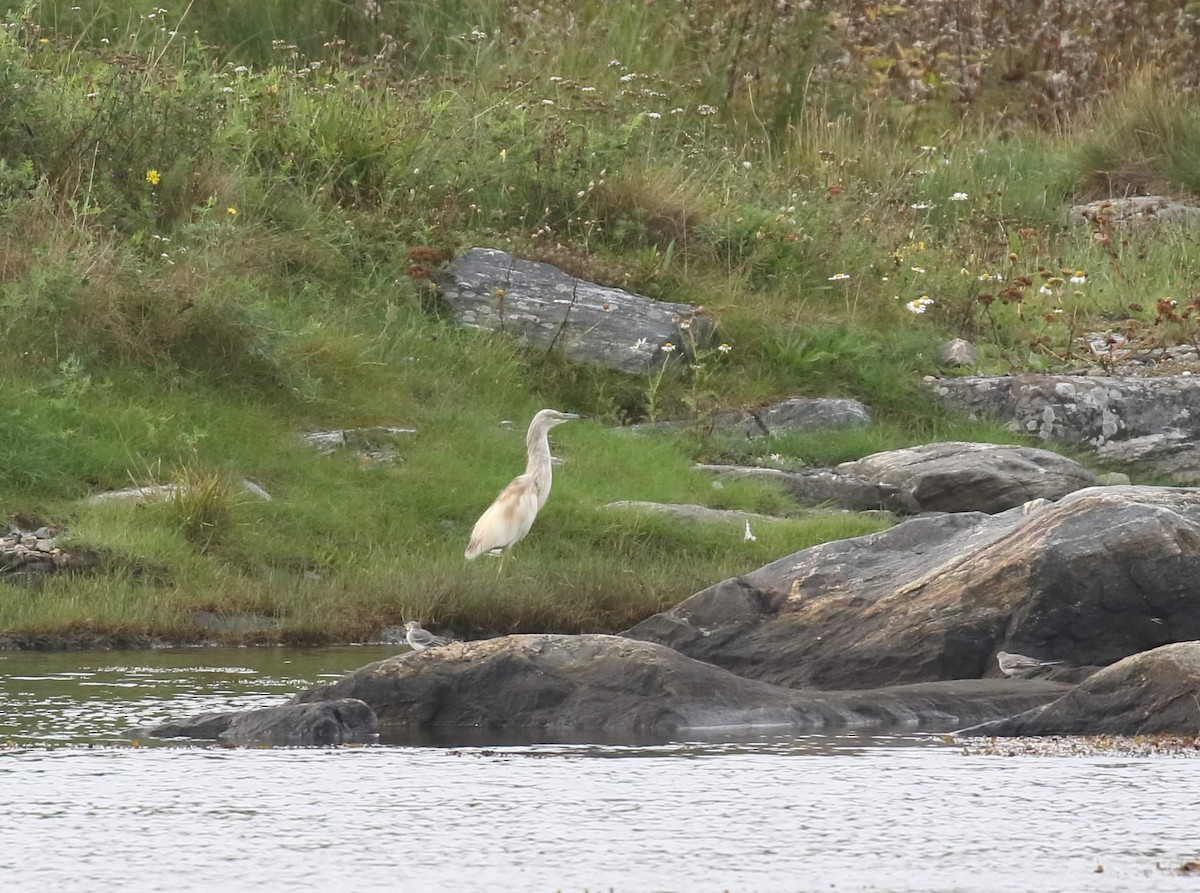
<point>216,225</point>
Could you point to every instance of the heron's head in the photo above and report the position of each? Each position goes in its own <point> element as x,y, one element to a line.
<point>548,418</point>
<point>411,625</point>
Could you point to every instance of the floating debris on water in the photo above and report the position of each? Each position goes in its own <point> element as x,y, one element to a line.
<point>1083,746</point>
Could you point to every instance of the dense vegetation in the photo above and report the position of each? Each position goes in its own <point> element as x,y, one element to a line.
<point>218,223</point>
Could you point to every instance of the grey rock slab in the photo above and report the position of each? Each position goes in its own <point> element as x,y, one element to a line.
<point>1154,692</point>
<point>964,477</point>
<point>161,492</point>
<point>1101,574</point>
<point>618,685</point>
<point>1152,420</point>
<point>821,486</point>
<point>550,310</point>
<point>699,513</point>
<point>791,415</point>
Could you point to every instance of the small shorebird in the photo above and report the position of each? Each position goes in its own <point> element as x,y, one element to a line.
<point>1019,664</point>
<point>421,639</point>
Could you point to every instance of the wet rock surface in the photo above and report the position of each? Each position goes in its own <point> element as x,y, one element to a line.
<point>342,721</point>
<point>615,684</point>
<point>1102,574</point>
<point>1155,692</point>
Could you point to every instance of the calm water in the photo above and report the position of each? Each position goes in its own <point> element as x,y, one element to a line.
<point>81,811</point>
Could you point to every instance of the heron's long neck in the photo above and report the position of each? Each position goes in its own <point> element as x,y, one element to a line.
<point>538,465</point>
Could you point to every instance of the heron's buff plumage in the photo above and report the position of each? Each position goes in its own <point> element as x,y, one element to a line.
<point>509,518</point>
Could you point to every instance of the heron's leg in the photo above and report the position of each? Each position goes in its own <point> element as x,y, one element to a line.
<point>504,557</point>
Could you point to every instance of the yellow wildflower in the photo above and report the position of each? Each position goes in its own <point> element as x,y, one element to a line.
<point>152,177</point>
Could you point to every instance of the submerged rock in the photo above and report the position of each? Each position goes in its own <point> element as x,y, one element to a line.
<point>341,721</point>
<point>1151,693</point>
<point>618,685</point>
<point>1101,574</point>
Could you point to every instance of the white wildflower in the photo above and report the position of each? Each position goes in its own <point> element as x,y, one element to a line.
<point>959,197</point>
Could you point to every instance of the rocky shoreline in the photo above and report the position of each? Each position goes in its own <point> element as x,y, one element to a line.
<point>899,629</point>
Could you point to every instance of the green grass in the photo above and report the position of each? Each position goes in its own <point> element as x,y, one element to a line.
<point>216,226</point>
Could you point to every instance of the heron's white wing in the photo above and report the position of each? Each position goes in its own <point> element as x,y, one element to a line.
<point>506,520</point>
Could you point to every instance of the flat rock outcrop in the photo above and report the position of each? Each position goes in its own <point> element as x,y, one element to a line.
<point>619,685</point>
<point>821,486</point>
<point>340,721</point>
<point>550,310</point>
<point>963,477</point>
<point>936,477</point>
<point>1152,420</point>
<point>1136,210</point>
<point>699,513</point>
<point>793,414</point>
<point>1102,574</point>
<point>1155,692</point>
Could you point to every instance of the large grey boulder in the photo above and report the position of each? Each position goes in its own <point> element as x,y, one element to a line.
<point>615,685</point>
<point>340,721</point>
<point>1155,692</point>
<point>547,309</point>
<point>970,477</point>
<point>1099,575</point>
<point>1153,420</point>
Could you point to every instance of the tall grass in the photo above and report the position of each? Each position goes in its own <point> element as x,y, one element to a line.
<point>218,223</point>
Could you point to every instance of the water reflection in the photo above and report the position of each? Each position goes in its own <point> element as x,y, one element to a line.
<point>64,697</point>
<point>765,811</point>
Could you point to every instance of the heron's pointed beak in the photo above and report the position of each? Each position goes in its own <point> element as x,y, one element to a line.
<point>572,415</point>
